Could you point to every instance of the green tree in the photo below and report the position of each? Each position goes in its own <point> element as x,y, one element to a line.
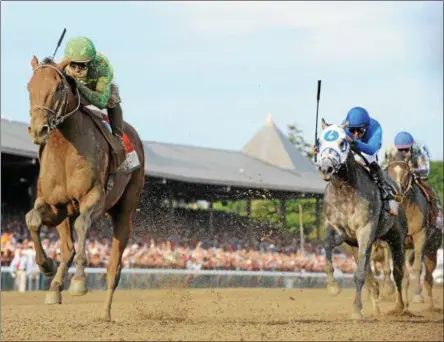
<point>297,139</point>
<point>436,177</point>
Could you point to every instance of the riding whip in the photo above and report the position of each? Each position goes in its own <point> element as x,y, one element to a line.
<point>60,42</point>
<point>317,111</point>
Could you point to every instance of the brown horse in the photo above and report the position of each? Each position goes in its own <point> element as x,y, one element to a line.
<point>381,254</point>
<point>75,161</point>
<point>425,238</point>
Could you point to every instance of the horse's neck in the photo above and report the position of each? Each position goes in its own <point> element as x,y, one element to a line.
<point>66,134</point>
<point>347,176</point>
<point>413,191</point>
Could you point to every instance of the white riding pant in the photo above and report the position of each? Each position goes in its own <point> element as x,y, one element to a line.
<point>370,158</point>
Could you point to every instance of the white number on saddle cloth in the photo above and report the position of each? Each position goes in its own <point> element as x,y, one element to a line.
<point>132,159</point>
<point>333,145</point>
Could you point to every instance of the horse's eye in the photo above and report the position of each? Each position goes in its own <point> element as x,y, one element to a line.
<point>343,145</point>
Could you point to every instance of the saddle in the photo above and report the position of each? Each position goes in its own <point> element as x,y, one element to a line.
<point>131,161</point>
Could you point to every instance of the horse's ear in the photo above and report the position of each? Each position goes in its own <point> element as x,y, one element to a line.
<point>34,63</point>
<point>324,124</point>
<point>62,65</point>
<point>344,125</point>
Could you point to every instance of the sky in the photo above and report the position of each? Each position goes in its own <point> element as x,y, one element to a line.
<point>208,73</point>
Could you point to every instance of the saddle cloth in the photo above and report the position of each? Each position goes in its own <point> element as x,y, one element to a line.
<point>101,120</point>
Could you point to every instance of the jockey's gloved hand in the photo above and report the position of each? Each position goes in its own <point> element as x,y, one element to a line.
<point>315,147</point>
<point>353,144</point>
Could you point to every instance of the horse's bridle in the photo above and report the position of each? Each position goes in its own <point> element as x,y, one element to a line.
<point>411,176</point>
<point>59,115</point>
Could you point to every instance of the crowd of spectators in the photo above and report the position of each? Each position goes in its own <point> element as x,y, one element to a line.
<point>186,241</point>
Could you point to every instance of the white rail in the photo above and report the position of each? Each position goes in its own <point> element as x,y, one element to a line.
<point>208,272</point>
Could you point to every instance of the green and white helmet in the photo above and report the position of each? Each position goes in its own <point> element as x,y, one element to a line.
<point>80,49</point>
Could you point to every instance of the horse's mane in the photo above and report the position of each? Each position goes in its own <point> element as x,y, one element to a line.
<point>71,81</point>
<point>48,61</point>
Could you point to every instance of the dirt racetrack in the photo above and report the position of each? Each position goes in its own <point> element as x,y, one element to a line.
<point>214,314</point>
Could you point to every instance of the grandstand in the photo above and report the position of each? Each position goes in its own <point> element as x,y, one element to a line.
<point>268,166</point>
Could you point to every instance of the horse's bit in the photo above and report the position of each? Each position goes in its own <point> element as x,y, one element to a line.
<point>59,117</point>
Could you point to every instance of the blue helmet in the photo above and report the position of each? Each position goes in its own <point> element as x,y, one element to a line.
<point>358,117</point>
<point>404,140</point>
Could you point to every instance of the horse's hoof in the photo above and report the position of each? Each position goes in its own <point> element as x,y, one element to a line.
<point>356,316</point>
<point>106,316</point>
<point>334,289</point>
<point>49,268</point>
<point>53,297</point>
<point>388,289</point>
<point>418,299</point>
<point>78,287</point>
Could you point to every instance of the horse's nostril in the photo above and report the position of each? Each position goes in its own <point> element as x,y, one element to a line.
<point>44,130</point>
<point>330,169</point>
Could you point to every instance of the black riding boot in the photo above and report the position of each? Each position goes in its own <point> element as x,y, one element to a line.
<point>378,175</point>
<point>116,122</point>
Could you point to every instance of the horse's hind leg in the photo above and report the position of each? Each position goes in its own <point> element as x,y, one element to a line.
<point>90,207</point>
<point>430,265</point>
<point>53,296</point>
<point>331,241</point>
<point>121,214</point>
<point>42,213</point>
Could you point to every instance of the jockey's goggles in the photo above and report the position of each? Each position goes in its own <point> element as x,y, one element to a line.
<point>404,150</point>
<point>79,65</point>
<point>359,130</point>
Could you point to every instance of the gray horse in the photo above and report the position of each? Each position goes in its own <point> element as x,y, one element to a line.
<point>423,238</point>
<point>354,213</point>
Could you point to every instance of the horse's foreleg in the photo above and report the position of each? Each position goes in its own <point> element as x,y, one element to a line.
<point>395,240</point>
<point>365,237</point>
<point>371,284</point>
<point>406,276</point>
<point>419,241</point>
<point>90,207</point>
<point>389,286</point>
<point>42,213</point>
<point>331,241</point>
<point>53,296</point>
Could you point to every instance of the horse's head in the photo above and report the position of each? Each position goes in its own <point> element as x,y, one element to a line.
<point>333,149</point>
<point>399,170</point>
<point>49,96</point>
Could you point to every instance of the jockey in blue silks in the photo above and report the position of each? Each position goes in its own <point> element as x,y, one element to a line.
<point>365,133</point>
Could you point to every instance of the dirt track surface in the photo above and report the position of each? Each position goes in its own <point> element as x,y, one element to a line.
<point>219,314</point>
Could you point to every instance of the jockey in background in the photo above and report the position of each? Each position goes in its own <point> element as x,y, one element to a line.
<point>419,162</point>
<point>94,74</point>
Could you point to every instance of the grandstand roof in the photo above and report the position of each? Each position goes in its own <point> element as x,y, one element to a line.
<point>199,164</point>
<point>274,147</point>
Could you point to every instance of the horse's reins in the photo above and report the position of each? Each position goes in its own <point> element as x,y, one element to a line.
<point>59,117</point>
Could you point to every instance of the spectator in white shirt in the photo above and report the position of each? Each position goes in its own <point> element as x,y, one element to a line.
<point>18,269</point>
